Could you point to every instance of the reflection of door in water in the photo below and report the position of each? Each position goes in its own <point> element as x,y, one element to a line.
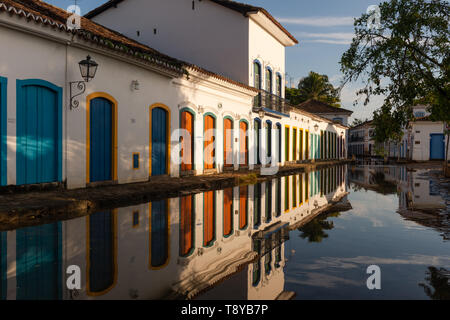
<point>159,233</point>
<point>38,258</point>
<point>209,218</point>
<point>3,266</point>
<point>228,212</point>
<point>187,152</point>
<point>187,225</point>
<point>243,207</point>
<point>159,141</point>
<point>209,145</point>
<point>101,140</point>
<point>101,250</point>
<point>228,142</point>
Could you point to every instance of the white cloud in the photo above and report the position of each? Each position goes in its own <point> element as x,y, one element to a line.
<point>340,38</point>
<point>319,21</point>
<point>330,41</point>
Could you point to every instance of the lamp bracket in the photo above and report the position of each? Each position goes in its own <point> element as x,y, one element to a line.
<point>80,86</point>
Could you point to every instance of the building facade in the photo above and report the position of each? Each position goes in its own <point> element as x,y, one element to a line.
<point>144,114</point>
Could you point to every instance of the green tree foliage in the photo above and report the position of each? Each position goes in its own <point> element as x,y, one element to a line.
<point>314,230</point>
<point>406,57</point>
<point>389,126</point>
<point>438,283</point>
<point>314,86</point>
<point>357,122</point>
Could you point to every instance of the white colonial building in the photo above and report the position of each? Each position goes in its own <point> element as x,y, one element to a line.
<point>122,125</point>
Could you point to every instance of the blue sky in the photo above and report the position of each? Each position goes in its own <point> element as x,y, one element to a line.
<point>324,29</point>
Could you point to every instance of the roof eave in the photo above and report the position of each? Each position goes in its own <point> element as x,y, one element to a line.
<point>268,23</point>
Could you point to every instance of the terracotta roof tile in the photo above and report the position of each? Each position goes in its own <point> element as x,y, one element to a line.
<point>48,14</point>
<point>318,107</point>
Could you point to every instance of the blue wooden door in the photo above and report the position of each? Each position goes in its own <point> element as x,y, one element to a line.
<point>38,134</point>
<point>159,245</point>
<point>101,139</point>
<point>38,257</point>
<point>159,142</point>
<point>437,146</point>
<point>102,266</point>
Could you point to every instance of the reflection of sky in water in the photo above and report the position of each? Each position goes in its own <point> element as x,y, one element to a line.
<point>371,233</point>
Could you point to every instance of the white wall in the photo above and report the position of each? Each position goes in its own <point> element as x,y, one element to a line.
<point>211,36</point>
<point>421,132</point>
<point>264,48</point>
<point>27,57</point>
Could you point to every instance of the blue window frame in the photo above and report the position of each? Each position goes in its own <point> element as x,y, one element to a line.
<point>3,132</point>
<point>269,80</point>
<point>279,85</point>
<point>257,74</point>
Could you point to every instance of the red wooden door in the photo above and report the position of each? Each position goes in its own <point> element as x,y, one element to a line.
<point>243,149</point>
<point>187,152</point>
<point>209,151</point>
<point>228,142</point>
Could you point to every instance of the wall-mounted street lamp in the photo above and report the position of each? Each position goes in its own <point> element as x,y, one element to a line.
<point>261,113</point>
<point>88,69</point>
<point>135,85</point>
<point>316,127</point>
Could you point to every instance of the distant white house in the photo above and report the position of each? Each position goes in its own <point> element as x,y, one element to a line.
<point>426,137</point>
<point>423,139</point>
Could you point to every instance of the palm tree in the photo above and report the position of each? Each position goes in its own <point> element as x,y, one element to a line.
<point>318,87</point>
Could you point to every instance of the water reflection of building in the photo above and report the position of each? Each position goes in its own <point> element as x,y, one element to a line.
<point>382,179</point>
<point>419,198</point>
<point>201,245</point>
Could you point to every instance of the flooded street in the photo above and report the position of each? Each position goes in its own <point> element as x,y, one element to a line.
<point>305,236</point>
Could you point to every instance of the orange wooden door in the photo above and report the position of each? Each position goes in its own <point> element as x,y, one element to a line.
<point>228,142</point>
<point>187,151</point>
<point>209,219</point>
<point>243,149</point>
<point>227,211</point>
<point>186,225</point>
<point>209,151</point>
<point>243,207</point>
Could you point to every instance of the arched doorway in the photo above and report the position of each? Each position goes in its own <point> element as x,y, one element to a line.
<point>228,156</point>
<point>101,137</point>
<point>159,140</point>
<point>187,151</point>
<point>209,141</point>
<point>243,143</point>
<point>39,132</point>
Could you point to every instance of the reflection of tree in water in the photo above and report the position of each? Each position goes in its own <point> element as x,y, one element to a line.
<point>314,231</point>
<point>438,283</point>
<point>382,186</point>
